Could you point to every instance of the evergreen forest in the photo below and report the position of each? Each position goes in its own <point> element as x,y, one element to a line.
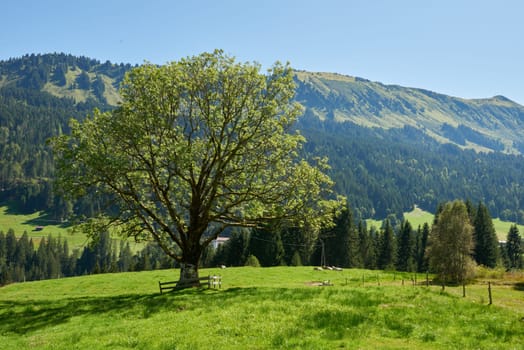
<point>349,244</point>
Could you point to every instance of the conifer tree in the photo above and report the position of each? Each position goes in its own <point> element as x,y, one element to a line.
<point>422,260</point>
<point>238,245</point>
<point>486,242</point>
<point>514,248</point>
<point>125,258</point>
<point>406,245</point>
<point>341,241</point>
<point>388,248</point>
<point>267,247</point>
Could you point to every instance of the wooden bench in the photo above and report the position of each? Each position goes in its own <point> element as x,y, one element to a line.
<point>211,281</point>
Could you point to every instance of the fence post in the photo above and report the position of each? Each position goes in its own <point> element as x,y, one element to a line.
<point>427,279</point>
<point>463,289</point>
<point>489,293</point>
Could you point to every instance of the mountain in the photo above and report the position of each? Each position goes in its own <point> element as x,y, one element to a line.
<point>390,147</point>
<point>493,124</point>
<point>81,79</point>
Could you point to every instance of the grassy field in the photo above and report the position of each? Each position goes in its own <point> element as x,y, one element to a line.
<point>260,308</point>
<point>21,223</point>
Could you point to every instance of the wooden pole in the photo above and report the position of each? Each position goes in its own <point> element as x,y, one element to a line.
<point>463,289</point>
<point>489,293</point>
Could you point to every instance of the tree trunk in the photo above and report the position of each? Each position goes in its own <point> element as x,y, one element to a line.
<point>189,269</point>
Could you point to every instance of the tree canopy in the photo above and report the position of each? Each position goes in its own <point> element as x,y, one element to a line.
<point>450,243</point>
<point>197,146</point>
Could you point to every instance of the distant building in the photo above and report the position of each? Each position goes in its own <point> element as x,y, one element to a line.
<point>219,241</point>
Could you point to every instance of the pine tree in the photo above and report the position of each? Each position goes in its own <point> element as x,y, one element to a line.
<point>267,247</point>
<point>486,241</point>
<point>10,242</point>
<point>238,247</point>
<point>388,248</point>
<point>103,252</point>
<point>341,241</point>
<point>294,240</point>
<point>125,258</point>
<point>514,248</point>
<point>422,260</point>
<point>367,247</point>
<point>406,248</point>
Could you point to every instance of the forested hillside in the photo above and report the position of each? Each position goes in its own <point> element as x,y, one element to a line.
<point>389,147</point>
<point>38,95</point>
<point>386,172</point>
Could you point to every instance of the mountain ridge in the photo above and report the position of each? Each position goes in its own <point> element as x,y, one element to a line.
<point>497,122</point>
<point>389,147</point>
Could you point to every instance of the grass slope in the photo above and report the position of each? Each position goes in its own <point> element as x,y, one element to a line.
<point>272,308</point>
<point>21,223</point>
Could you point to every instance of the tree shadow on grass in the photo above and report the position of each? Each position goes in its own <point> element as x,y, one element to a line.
<point>21,317</point>
<point>44,220</point>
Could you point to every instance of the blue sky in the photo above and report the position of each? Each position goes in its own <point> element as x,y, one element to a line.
<point>464,48</point>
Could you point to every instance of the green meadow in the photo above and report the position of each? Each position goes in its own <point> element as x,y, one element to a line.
<point>261,308</point>
<point>20,223</point>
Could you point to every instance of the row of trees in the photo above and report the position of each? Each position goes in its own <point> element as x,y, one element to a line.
<point>460,237</point>
<point>22,259</point>
<point>393,246</point>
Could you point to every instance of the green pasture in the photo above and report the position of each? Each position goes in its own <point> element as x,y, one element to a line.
<point>30,223</point>
<point>260,308</point>
<point>21,223</point>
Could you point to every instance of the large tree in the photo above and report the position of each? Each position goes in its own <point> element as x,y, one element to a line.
<point>197,146</point>
<point>450,243</point>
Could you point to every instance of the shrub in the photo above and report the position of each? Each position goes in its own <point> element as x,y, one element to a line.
<point>252,261</point>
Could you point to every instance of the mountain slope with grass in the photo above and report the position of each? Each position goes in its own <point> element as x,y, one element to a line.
<point>491,124</point>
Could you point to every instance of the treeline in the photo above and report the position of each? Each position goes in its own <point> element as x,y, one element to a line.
<point>21,260</point>
<point>349,244</point>
<point>394,246</point>
<point>29,116</point>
